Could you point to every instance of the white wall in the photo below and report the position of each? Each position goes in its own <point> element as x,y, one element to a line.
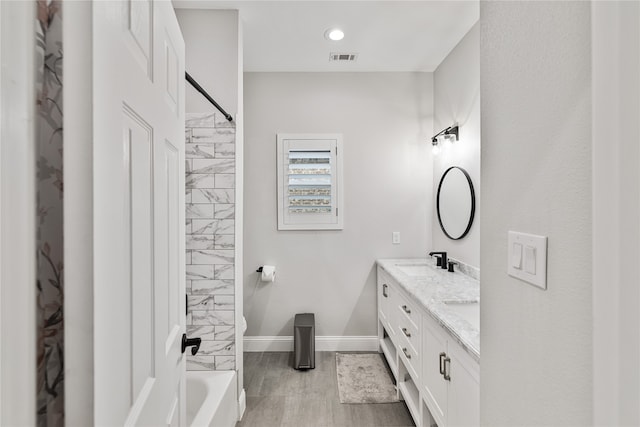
<point>536,177</point>
<point>211,39</point>
<point>456,87</point>
<point>386,120</point>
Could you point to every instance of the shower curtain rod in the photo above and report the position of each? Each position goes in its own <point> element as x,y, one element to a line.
<point>206,95</point>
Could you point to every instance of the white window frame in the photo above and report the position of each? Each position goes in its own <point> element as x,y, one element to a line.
<point>307,221</point>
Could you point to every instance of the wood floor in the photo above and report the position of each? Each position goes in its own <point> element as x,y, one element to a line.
<point>278,395</point>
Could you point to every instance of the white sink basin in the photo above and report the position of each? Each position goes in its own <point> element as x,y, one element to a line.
<point>468,310</point>
<point>414,270</point>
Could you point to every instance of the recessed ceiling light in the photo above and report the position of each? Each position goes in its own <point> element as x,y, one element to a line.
<point>334,34</point>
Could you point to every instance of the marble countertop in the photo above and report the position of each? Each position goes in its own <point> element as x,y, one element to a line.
<point>435,287</point>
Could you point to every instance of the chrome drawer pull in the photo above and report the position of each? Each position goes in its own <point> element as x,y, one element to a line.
<point>384,291</point>
<point>405,332</point>
<point>442,356</point>
<point>406,309</point>
<point>446,372</point>
<point>404,350</point>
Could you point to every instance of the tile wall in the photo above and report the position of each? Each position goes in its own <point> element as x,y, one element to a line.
<point>210,244</point>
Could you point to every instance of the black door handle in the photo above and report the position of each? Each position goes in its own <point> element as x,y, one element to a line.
<point>194,343</point>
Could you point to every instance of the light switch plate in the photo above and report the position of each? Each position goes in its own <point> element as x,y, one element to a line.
<point>516,256</point>
<point>395,237</point>
<point>531,265</point>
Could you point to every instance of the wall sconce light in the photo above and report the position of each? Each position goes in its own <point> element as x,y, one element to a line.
<point>435,148</point>
<point>449,134</point>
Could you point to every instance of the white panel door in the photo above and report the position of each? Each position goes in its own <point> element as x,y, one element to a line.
<point>138,156</point>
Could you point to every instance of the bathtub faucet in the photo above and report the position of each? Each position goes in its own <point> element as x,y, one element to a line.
<point>194,343</point>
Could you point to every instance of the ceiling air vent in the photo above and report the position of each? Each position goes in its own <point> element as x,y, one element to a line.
<point>343,57</point>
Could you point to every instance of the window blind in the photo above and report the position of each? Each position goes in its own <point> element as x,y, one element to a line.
<point>309,182</point>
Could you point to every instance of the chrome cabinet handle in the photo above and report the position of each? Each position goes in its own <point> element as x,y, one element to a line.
<point>404,350</point>
<point>406,309</point>
<point>447,360</point>
<point>384,290</point>
<point>406,333</point>
<point>442,356</point>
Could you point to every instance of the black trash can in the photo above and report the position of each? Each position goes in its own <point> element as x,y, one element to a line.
<point>304,341</point>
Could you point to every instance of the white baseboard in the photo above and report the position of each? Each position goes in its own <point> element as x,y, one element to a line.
<point>323,343</point>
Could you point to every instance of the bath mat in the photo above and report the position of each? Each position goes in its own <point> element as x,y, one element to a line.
<point>364,378</point>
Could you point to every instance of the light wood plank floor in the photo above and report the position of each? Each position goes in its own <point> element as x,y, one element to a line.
<point>278,395</point>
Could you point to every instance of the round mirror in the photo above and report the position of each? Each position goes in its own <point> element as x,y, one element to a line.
<point>456,203</point>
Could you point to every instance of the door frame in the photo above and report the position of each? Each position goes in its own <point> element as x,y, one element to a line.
<point>78,212</point>
<point>17,214</point>
<point>239,227</point>
<point>616,211</point>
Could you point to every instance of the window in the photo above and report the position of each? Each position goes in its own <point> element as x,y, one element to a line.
<point>310,182</point>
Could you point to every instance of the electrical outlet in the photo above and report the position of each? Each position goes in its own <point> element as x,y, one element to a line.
<point>395,237</point>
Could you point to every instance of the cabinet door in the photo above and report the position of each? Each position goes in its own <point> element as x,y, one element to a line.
<point>464,388</point>
<point>383,297</point>
<point>386,297</point>
<point>434,386</point>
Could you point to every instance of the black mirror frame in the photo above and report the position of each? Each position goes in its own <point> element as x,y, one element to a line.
<point>473,203</point>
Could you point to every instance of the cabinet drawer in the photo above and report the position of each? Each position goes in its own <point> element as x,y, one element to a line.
<point>407,311</point>
<point>406,329</point>
<point>410,357</point>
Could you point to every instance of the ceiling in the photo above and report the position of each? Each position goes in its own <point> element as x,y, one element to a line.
<point>388,35</point>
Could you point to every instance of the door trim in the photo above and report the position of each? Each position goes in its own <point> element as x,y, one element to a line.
<point>78,212</point>
<point>17,214</point>
<point>616,211</point>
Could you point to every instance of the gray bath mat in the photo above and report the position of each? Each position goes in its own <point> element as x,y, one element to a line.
<point>364,378</point>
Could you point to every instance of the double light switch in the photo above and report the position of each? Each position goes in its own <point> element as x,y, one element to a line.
<point>527,258</point>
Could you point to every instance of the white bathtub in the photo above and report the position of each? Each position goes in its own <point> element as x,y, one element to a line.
<point>212,399</point>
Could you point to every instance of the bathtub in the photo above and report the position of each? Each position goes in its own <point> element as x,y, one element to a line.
<point>212,399</point>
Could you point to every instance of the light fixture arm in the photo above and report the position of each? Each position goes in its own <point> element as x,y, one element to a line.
<point>451,130</point>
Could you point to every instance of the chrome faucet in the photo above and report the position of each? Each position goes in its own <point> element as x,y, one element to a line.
<point>441,261</point>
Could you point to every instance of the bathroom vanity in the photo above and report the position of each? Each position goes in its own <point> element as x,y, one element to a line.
<point>429,332</point>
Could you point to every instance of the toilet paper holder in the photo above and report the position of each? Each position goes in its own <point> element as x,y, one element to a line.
<point>267,273</point>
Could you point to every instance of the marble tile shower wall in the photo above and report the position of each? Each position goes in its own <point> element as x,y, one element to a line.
<point>210,224</point>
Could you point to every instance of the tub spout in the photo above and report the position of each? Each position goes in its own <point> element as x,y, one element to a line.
<point>194,343</point>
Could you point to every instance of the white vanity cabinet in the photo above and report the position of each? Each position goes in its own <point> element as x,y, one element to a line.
<point>399,319</point>
<point>451,378</point>
<point>437,378</point>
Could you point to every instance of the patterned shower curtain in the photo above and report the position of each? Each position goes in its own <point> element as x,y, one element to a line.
<point>50,347</point>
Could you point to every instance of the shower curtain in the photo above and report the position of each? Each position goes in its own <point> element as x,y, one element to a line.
<point>50,344</point>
